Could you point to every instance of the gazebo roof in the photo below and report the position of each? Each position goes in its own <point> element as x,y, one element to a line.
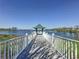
<point>39,26</point>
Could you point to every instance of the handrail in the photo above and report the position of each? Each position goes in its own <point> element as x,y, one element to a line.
<point>69,39</point>
<point>10,39</point>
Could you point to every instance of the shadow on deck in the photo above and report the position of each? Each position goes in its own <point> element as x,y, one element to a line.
<point>39,48</point>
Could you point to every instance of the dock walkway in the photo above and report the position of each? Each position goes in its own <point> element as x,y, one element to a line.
<point>39,48</point>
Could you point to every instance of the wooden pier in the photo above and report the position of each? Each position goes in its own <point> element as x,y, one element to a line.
<point>39,45</point>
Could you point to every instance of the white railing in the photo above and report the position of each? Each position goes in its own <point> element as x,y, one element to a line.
<point>68,48</point>
<point>10,49</point>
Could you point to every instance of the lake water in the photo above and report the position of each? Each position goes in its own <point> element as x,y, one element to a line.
<point>17,32</point>
<point>67,35</point>
<point>23,32</point>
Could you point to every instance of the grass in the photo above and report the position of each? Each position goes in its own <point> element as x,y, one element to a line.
<point>6,37</point>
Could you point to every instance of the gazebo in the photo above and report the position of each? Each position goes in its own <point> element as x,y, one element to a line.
<point>39,29</point>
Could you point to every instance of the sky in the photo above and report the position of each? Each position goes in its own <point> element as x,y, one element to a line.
<point>26,14</point>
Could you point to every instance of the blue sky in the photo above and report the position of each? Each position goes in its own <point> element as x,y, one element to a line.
<point>49,13</point>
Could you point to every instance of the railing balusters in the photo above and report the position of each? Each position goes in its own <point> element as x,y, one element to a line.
<point>4,50</point>
<point>8,51</point>
<point>17,46</point>
<point>75,50</point>
<point>65,49</point>
<point>70,50</point>
<point>62,48</point>
<point>0,51</point>
<point>11,50</point>
<point>69,47</point>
